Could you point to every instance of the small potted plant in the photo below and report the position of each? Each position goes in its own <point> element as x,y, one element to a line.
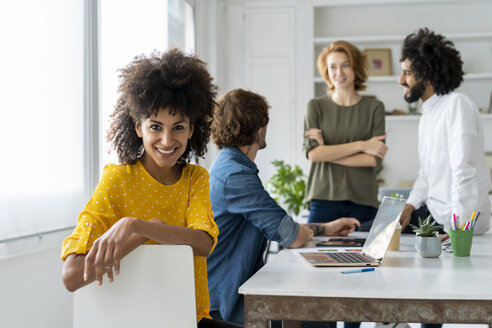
<point>427,242</point>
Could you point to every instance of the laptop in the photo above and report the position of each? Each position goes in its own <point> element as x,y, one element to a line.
<point>376,244</point>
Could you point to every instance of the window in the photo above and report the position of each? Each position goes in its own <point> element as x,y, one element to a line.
<point>48,162</point>
<point>42,170</point>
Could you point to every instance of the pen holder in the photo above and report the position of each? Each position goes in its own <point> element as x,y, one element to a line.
<point>461,242</point>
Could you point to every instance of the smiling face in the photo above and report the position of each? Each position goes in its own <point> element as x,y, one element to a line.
<point>340,71</point>
<point>413,89</point>
<point>165,137</point>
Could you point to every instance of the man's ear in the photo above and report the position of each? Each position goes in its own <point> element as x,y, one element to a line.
<point>138,129</point>
<point>258,135</point>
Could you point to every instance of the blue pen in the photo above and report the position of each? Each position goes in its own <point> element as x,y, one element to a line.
<point>358,270</point>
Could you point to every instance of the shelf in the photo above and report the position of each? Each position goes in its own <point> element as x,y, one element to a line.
<point>331,3</point>
<point>408,117</point>
<point>416,117</point>
<point>478,76</point>
<point>394,78</point>
<point>389,78</point>
<point>396,38</point>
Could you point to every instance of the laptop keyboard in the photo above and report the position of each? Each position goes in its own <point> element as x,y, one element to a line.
<point>349,257</point>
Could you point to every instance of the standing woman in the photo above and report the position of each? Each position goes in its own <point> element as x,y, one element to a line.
<point>161,121</point>
<point>344,140</point>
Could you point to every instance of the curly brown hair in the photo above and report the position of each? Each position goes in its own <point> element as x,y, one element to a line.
<point>169,80</point>
<point>357,60</point>
<point>433,59</point>
<point>238,116</point>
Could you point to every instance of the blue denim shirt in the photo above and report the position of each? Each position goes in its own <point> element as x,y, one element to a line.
<point>247,217</point>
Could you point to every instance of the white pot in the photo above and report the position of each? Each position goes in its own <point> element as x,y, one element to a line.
<point>428,246</point>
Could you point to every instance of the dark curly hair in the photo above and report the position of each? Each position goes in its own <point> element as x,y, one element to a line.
<point>357,60</point>
<point>170,80</point>
<point>238,116</point>
<point>434,59</point>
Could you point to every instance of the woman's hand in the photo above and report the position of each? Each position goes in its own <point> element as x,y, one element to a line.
<point>80,269</point>
<point>341,226</point>
<point>375,146</point>
<point>315,134</point>
<point>108,250</point>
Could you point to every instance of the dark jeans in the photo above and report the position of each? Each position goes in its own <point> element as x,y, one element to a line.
<point>316,324</point>
<point>330,210</point>
<point>214,323</point>
<point>275,323</point>
<point>308,324</point>
<point>423,213</point>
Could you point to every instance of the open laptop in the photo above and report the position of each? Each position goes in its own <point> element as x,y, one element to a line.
<point>376,244</point>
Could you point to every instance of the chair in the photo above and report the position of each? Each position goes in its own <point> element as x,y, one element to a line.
<point>155,288</point>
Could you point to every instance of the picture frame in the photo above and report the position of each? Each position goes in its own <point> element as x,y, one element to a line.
<point>379,61</point>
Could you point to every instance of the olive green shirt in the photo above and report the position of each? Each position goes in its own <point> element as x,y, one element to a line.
<point>340,125</point>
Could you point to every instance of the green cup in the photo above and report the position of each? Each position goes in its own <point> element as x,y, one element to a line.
<point>461,242</point>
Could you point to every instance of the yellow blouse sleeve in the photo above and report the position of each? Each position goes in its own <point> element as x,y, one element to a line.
<point>199,214</point>
<point>97,217</point>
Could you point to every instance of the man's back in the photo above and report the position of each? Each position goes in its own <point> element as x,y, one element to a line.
<point>246,216</point>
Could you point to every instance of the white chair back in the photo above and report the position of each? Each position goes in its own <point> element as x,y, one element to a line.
<point>155,288</point>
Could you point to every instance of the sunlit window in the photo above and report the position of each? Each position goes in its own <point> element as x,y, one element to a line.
<point>42,163</point>
<point>46,82</point>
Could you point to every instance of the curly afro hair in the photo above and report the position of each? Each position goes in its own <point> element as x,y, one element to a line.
<point>238,116</point>
<point>434,59</point>
<point>357,59</point>
<point>170,80</point>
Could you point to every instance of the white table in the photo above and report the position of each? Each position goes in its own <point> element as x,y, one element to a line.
<point>407,288</point>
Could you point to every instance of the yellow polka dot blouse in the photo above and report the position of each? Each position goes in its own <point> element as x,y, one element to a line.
<point>129,190</point>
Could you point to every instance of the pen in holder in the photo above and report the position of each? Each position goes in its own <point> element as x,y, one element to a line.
<point>461,241</point>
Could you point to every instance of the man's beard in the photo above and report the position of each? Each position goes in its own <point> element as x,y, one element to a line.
<point>416,92</point>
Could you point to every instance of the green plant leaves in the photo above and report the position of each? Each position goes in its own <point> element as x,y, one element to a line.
<point>426,228</point>
<point>287,187</point>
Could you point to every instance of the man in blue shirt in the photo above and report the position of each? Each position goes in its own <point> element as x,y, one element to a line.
<point>244,211</point>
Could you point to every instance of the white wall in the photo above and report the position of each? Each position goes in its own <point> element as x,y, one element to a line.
<point>255,43</point>
<point>31,290</point>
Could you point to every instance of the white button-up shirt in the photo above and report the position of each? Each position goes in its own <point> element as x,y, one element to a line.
<point>453,174</point>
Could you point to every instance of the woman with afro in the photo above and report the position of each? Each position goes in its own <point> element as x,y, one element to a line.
<point>161,121</point>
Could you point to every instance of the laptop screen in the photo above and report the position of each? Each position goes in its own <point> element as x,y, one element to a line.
<point>384,226</point>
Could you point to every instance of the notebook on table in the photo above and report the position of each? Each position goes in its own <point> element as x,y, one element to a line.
<point>377,241</point>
